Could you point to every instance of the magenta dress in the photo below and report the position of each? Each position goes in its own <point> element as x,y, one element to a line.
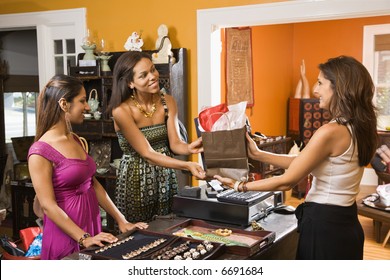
<point>74,192</point>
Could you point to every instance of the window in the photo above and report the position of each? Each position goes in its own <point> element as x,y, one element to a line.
<point>382,73</point>
<point>19,114</point>
<point>64,55</point>
<point>376,57</point>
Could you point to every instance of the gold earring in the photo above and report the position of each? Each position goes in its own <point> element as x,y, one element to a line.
<point>68,123</point>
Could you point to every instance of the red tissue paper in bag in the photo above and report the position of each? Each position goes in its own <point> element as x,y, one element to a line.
<point>28,235</point>
<point>209,116</point>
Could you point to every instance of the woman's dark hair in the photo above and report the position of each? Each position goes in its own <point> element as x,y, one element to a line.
<point>49,110</point>
<point>124,74</point>
<point>352,102</point>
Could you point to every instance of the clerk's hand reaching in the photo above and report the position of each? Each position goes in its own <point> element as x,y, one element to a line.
<point>228,182</point>
<point>252,148</point>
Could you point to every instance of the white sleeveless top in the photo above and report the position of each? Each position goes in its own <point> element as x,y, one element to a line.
<point>336,181</point>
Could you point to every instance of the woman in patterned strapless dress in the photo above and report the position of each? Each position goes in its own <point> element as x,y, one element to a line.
<point>146,123</point>
<point>62,175</point>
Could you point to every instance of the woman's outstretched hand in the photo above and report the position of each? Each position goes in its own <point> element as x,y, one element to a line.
<point>228,182</point>
<point>252,148</point>
<point>196,170</point>
<point>196,146</point>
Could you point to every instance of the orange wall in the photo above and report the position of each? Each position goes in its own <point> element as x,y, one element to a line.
<point>277,54</point>
<point>115,20</point>
<point>272,77</point>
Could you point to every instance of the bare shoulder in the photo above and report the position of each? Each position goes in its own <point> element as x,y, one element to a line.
<point>334,136</point>
<point>171,103</point>
<point>122,109</point>
<point>169,98</point>
<point>332,129</point>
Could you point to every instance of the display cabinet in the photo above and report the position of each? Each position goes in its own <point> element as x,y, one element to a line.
<point>304,117</point>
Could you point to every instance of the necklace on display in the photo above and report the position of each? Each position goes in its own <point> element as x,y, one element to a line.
<point>142,110</point>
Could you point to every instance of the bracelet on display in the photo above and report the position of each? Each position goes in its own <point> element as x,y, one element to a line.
<point>143,249</point>
<point>106,247</point>
<point>82,238</point>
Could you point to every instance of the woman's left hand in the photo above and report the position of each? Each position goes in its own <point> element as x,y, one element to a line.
<point>228,182</point>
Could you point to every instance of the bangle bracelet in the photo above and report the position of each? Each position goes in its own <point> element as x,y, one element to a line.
<point>244,187</point>
<point>235,187</point>
<point>82,238</point>
<point>238,187</point>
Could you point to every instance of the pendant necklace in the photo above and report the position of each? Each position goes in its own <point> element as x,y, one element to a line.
<point>142,110</point>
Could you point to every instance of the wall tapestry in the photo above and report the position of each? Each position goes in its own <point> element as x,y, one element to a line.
<point>239,82</point>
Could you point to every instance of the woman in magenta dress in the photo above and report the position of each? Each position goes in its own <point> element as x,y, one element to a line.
<point>62,174</point>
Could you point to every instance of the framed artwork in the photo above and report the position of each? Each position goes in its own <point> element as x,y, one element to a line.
<point>239,80</point>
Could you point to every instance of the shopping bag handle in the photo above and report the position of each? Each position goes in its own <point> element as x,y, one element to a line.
<point>219,113</point>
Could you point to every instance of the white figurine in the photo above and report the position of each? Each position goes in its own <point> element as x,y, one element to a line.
<point>134,42</point>
<point>163,45</point>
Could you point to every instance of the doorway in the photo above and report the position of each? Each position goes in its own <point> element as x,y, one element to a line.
<point>52,30</point>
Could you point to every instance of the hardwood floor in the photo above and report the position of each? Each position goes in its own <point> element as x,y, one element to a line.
<point>372,249</point>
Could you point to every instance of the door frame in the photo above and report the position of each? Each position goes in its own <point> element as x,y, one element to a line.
<point>42,22</point>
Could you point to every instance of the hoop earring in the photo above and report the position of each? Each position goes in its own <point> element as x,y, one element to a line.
<point>68,123</point>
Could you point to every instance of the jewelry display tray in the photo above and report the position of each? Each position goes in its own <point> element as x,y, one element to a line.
<point>241,242</point>
<point>143,238</point>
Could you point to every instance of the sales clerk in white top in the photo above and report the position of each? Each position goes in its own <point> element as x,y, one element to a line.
<point>336,156</point>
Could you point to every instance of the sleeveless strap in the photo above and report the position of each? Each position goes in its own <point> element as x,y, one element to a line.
<point>182,128</point>
<point>164,103</point>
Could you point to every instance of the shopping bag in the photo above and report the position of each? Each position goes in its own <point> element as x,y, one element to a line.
<point>225,153</point>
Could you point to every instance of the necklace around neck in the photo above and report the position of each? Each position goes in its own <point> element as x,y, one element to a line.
<point>142,110</point>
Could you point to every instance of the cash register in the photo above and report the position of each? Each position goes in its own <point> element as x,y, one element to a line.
<point>217,204</point>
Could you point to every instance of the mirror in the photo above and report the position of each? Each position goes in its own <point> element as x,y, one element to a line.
<point>210,21</point>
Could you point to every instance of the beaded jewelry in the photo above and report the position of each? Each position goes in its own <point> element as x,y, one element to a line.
<point>106,247</point>
<point>142,110</point>
<point>143,249</point>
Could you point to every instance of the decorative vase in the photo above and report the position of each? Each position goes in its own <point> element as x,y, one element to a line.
<point>104,65</point>
<point>89,49</point>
